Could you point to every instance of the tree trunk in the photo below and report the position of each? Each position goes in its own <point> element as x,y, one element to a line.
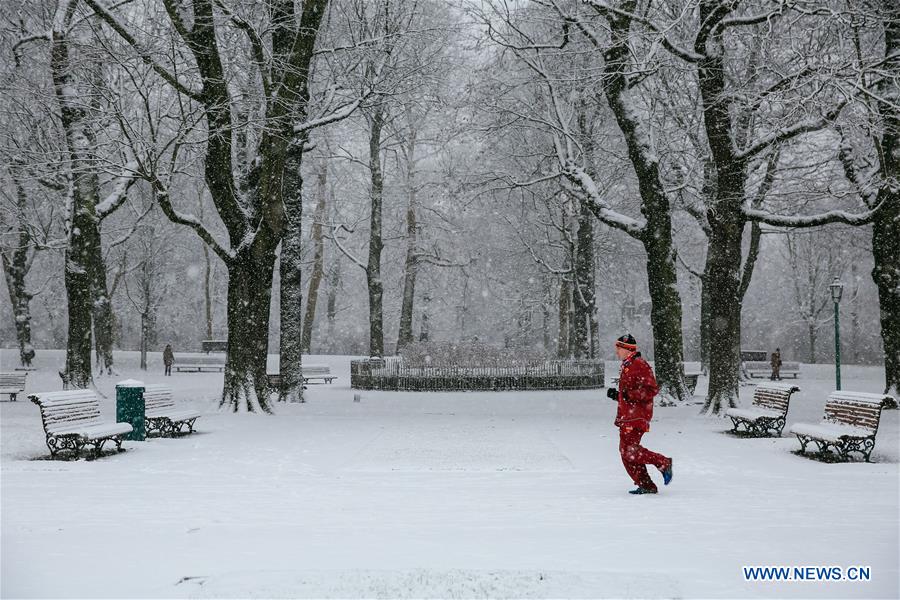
<point>723,282</point>
<point>334,284</point>
<point>886,274</point>
<point>315,278</point>
<point>424,330</point>
<point>665,310</point>
<point>886,227</point>
<point>410,270</point>
<point>565,298</point>
<point>726,223</point>
<point>207,292</point>
<point>291,340</point>
<point>411,266</point>
<point>811,332</point>
<point>583,294</point>
<point>82,231</point>
<point>373,267</point>
<point>705,306</point>
<point>249,299</point>
<point>145,337</point>
<point>78,292</point>
<point>14,270</point>
<point>545,326</point>
<point>102,311</point>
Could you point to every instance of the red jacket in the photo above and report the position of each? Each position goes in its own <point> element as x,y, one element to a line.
<point>637,387</point>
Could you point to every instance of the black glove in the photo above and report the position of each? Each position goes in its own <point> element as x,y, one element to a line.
<point>612,393</point>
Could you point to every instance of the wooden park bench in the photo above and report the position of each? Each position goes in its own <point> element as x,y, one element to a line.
<point>767,411</point>
<point>692,372</point>
<point>309,372</point>
<point>198,364</point>
<point>12,384</point>
<point>161,414</point>
<point>72,421</point>
<point>763,368</point>
<point>214,346</point>
<point>317,372</point>
<point>849,425</point>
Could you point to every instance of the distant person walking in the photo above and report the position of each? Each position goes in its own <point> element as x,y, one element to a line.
<point>776,365</point>
<point>637,387</point>
<point>168,359</point>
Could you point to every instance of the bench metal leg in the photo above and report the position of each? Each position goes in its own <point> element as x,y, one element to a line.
<point>98,447</point>
<point>77,445</point>
<point>778,426</point>
<point>52,445</point>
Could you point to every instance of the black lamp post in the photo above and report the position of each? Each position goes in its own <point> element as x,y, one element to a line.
<point>837,290</point>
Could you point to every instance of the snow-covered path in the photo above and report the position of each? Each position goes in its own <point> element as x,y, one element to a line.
<point>450,495</point>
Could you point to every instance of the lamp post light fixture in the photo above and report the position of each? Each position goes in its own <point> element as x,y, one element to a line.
<point>837,290</point>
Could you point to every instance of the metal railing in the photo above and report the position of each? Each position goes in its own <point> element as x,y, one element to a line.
<point>393,374</point>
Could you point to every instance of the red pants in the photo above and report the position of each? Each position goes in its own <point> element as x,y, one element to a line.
<point>636,458</point>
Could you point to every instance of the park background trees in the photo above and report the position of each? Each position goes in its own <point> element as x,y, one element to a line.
<point>348,176</point>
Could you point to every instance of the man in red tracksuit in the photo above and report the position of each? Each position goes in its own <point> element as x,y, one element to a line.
<point>637,387</point>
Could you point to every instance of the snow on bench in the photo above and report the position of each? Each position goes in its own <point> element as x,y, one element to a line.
<point>72,421</point>
<point>764,368</point>
<point>197,364</point>
<point>849,425</point>
<point>161,414</point>
<point>12,384</point>
<point>767,411</point>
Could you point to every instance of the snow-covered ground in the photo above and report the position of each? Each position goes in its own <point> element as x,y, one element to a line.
<point>444,494</point>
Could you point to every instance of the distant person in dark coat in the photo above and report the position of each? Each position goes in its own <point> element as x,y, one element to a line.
<point>168,358</point>
<point>776,365</point>
<point>637,387</point>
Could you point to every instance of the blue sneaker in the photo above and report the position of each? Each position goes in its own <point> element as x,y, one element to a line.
<point>642,490</point>
<point>667,473</point>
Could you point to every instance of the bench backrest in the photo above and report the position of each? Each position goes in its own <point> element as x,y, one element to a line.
<point>12,380</point>
<point>316,370</point>
<point>757,365</point>
<point>200,360</point>
<point>691,368</point>
<point>157,396</point>
<point>61,410</point>
<point>214,345</point>
<point>855,408</point>
<point>774,396</point>
<point>761,365</point>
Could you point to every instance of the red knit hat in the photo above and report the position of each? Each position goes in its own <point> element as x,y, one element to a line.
<point>627,342</point>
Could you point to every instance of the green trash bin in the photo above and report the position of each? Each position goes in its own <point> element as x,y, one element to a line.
<point>130,408</point>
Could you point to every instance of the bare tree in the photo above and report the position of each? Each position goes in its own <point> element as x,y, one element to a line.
<point>654,230</point>
<point>876,180</point>
<point>815,258</point>
<point>146,288</point>
<point>258,199</point>
<point>318,240</point>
